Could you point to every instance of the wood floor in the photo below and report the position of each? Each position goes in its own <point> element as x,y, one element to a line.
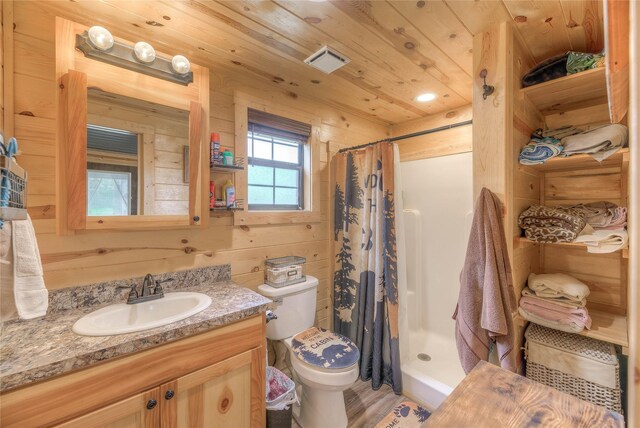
<point>366,407</point>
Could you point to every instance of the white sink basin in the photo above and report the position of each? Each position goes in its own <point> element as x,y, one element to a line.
<point>122,318</point>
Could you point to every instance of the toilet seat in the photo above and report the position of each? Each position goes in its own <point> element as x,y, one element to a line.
<point>325,351</point>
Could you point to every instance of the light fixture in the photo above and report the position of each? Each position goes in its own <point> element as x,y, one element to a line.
<point>100,38</point>
<point>426,97</point>
<point>98,43</point>
<point>180,64</point>
<point>144,52</point>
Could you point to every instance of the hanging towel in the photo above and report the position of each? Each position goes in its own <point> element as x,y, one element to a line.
<point>30,296</point>
<point>486,302</point>
<point>605,241</point>
<point>552,285</point>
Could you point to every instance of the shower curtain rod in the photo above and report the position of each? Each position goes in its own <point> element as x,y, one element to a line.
<point>414,134</point>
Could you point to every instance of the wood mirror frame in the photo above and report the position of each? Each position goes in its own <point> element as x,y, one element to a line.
<point>75,74</point>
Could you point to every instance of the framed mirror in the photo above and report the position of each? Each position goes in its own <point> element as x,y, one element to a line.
<point>132,149</point>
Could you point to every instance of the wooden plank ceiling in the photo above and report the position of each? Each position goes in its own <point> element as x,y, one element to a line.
<point>398,49</point>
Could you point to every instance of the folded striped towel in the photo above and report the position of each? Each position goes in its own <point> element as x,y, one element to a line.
<point>539,150</point>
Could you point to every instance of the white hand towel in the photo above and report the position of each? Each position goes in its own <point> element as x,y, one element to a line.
<point>31,296</point>
<point>605,241</point>
<point>7,301</point>
<point>553,285</point>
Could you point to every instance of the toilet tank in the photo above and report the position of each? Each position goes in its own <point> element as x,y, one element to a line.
<point>295,307</point>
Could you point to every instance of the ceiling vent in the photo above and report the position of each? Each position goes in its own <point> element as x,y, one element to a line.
<point>327,60</point>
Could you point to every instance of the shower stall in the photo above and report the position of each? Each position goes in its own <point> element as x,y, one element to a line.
<point>437,198</point>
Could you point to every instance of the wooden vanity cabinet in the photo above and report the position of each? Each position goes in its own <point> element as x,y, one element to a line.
<point>216,396</point>
<point>140,411</point>
<point>213,379</point>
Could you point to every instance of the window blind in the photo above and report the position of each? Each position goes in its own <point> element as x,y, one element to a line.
<point>266,123</point>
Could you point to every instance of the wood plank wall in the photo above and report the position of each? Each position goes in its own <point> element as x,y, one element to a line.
<point>442,143</point>
<point>96,256</point>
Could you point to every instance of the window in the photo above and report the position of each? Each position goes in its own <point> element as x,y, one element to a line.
<point>275,163</point>
<point>109,193</point>
<point>112,171</point>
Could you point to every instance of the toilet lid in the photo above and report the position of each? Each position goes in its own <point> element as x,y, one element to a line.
<point>322,348</point>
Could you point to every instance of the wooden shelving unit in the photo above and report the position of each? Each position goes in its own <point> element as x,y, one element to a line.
<point>571,92</point>
<point>522,241</point>
<point>582,161</point>
<point>605,326</point>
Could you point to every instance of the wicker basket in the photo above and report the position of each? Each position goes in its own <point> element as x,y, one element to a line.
<point>583,367</point>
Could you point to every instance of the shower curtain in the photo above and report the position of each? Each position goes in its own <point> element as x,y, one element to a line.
<point>365,269</point>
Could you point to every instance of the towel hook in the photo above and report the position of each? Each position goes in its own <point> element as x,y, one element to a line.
<point>486,89</point>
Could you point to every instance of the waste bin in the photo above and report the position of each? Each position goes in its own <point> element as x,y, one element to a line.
<point>281,394</point>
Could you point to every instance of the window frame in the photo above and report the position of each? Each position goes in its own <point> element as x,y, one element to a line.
<point>129,176</point>
<point>271,163</point>
<point>243,101</point>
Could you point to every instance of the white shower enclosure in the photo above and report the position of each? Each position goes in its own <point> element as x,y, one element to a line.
<point>437,197</point>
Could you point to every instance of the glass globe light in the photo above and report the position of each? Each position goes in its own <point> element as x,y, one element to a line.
<point>100,38</point>
<point>144,52</point>
<point>180,64</point>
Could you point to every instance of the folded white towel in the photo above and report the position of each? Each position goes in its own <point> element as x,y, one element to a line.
<point>553,285</point>
<point>558,300</point>
<point>7,301</point>
<point>599,142</point>
<point>605,241</point>
<point>30,295</point>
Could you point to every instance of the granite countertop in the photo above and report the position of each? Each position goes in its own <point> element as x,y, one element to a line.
<point>35,350</point>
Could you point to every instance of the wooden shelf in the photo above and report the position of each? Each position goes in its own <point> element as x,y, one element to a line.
<point>582,161</point>
<point>605,326</point>
<point>571,92</point>
<point>608,327</point>
<point>523,242</point>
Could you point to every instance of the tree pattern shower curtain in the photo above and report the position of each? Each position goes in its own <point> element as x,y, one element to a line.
<point>365,270</point>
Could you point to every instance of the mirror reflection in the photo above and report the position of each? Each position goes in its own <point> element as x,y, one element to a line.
<point>137,157</point>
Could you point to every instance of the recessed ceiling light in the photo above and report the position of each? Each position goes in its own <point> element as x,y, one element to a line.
<point>429,96</point>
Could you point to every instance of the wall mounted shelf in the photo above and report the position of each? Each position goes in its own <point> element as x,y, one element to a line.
<point>605,326</point>
<point>582,161</point>
<point>226,168</point>
<point>523,242</point>
<point>571,92</point>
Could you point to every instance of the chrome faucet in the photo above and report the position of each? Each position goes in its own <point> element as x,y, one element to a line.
<point>151,290</point>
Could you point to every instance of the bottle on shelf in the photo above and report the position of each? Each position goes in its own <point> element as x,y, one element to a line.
<point>230,194</point>
<point>214,150</point>
<point>227,158</point>
<point>212,194</point>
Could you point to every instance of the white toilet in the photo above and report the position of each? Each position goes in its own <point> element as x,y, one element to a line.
<point>325,363</point>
